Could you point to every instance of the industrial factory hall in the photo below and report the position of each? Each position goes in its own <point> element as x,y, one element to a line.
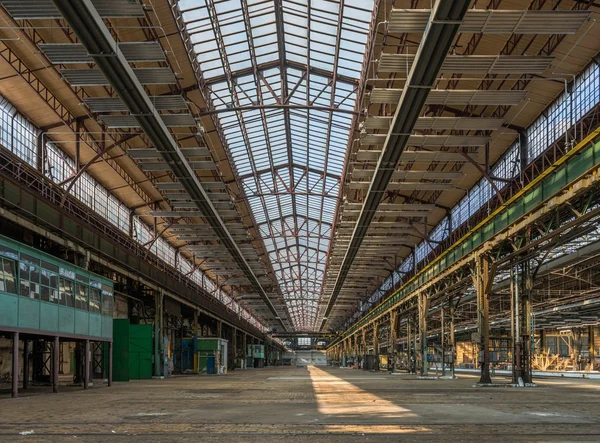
<point>299,220</point>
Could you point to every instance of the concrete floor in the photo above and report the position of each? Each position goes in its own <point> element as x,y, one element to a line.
<point>308,404</point>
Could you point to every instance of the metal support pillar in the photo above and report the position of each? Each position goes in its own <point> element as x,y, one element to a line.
<point>15,366</point>
<point>364,348</point>
<point>55,363</point>
<point>86,365</point>
<point>577,334</point>
<point>526,319</point>
<point>219,329</point>
<point>515,325</point>
<point>443,339</point>
<point>415,341</point>
<point>393,338</point>
<point>592,347</point>
<point>409,354</point>
<point>234,347</point>
<point>25,364</point>
<point>195,359</point>
<point>448,339</point>
<point>376,346</point>
<point>110,363</point>
<point>452,336</point>
<point>158,328</point>
<point>423,308</point>
<point>245,349</point>
<point>521,328</point>
<point>348,350</point>
<point>482,286</point>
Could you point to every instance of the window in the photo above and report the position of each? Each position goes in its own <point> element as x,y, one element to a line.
<point>8,281</point>
<point>8,252</point>
<point>551,345</point>
<point>17,134</point>
<point>107,301</point>
<point>81,297</point>
<point>95,300</point>
<point>49,282</point>
<point>66,292</point>
<point>87,189</point>
<point>304,341</point>
<point>563,346</point>
<point>29,280</point>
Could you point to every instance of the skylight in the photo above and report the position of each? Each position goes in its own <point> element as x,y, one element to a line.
<point>288,71</point>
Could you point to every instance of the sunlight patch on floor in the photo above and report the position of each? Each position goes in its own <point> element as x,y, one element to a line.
<point>338,397</point>
<point>376,429</point>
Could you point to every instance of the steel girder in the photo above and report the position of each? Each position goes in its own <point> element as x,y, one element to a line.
<point>94,35</point>
<point>439,35</point>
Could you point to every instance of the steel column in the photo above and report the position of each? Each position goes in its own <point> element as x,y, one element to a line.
<point>443,339</point>
<point>196,314</point>
<point>364,347</point>
<point>393,338</point>
<point>592,347</point>
<point>55,363</point>
<point>452,337</point>
<point>158,328</point>
<point>234,346</point>
<point>526,326</point>
<point>482,280</point>
<point>15,366</point>
<point>409,353</point>
<point>376,345</point>
<point>110,363</point>
<point>86,364</point>
<point>245,350</point>
<point>423,308</point>
<point>515,325</point>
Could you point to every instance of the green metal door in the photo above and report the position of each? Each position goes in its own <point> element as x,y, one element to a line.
<point>140,352</point>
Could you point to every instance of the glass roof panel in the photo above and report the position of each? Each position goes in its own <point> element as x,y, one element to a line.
<point>285,69</point>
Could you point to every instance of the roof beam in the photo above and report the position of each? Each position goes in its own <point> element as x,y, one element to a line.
<point>440,32</point>
<point>89,27</point>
